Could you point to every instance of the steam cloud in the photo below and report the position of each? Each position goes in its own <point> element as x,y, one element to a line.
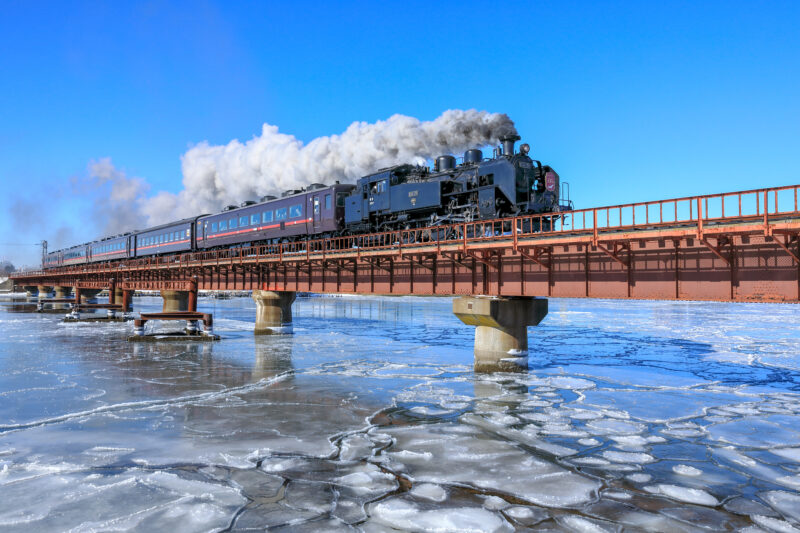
<point>215,176</point>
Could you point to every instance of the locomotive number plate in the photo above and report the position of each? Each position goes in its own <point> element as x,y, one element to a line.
<point>550,181</point>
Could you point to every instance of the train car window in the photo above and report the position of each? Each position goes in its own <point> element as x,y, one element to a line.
<point>266,216</point>
<point>232,223</point>
<point>316,205</point>
<point>213,227</point>
<point>255,218</point>
<point>327,201</point>
<point>242,222</point>
<point>296,211</point>
<point>280,214</point>
<point>340,199</point>
<point>223,225</point>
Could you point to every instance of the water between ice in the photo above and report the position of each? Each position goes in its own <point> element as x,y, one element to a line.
<point>632,416</point>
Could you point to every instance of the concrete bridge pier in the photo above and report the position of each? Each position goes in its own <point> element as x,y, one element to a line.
<point>31,291</point>
<point>501,335</point>
<point>175,301</point>
<point>273,312</point>
<point>45,291</point>
<point>83,296</point>
<point>62,291</point>
<point>86,296</point>
<point>114,297</point>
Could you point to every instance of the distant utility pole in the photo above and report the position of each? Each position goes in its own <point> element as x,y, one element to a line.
<point>44,250</point>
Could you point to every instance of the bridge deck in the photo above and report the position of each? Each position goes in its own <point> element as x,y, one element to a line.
<point>740,246</point>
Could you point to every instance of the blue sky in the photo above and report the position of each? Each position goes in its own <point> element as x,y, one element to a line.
<point>629,101</point>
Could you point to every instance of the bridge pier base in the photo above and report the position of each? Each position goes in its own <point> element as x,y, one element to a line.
<point>86,296</point>
<point>31,291</point>
<point>273,312</point>
<point>62,291</point>
<point>501,335</point>
<point>45,291</point>
<point>175,301</point>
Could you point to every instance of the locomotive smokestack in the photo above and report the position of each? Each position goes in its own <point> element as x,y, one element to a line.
<point>508,144</point>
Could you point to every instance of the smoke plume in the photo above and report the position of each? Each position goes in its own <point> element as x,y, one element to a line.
<point>118,208</point>
<point>215,176</point>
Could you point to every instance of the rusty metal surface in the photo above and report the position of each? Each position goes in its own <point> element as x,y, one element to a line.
<point>207,318</point>
<point>740,246</point>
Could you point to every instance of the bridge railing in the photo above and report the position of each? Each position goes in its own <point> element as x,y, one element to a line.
<point>756,205</point>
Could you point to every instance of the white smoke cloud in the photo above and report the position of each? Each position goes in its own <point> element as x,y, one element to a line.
<point>119,200</point>
<point>215,176</point>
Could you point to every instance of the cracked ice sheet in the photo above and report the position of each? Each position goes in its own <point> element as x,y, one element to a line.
<point>453,454</point>
<point>152,501</point>
<point>659,405</point>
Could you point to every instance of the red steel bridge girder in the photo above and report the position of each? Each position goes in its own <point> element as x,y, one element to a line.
<point>723,268</point>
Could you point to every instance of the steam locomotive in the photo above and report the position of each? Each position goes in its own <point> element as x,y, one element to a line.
<point>400,197</point>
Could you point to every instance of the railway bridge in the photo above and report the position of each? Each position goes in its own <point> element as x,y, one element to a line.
<point>738,247</point>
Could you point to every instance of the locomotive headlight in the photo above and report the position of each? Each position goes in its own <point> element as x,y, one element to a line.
<point>525,148</point>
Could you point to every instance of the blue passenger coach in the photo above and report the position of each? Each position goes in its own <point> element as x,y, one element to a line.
<point>52,259</point>
<point>110,249</point>
<point>312,211</point>
<point>76,255</point>
<point>170,238</point>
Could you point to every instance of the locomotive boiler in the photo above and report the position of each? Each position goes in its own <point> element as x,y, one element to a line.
<point>406,196</point>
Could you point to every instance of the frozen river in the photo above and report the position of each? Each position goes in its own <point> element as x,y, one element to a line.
<point>634,416</point>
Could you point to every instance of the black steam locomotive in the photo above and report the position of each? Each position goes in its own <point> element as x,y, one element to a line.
<point>400,197</point>
<point>407,196</point>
